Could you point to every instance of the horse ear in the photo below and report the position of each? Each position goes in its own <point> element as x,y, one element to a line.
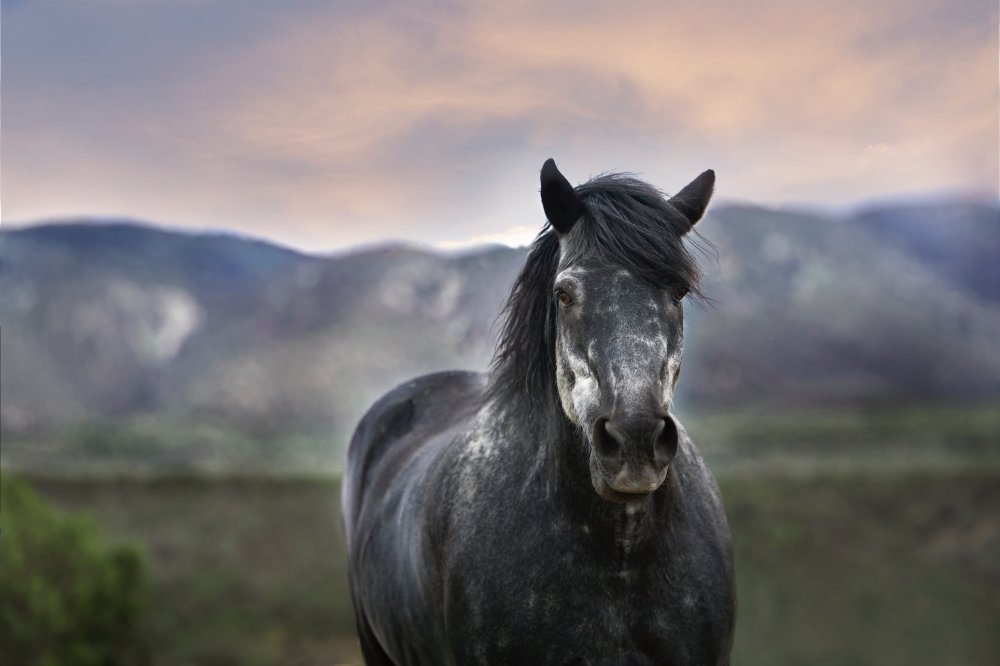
<point>693,199</point>
<point>560,201</point>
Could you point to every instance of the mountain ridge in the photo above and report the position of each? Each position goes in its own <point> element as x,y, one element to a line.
<point>117,320</point>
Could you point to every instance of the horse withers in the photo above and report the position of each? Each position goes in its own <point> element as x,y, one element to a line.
<point>553,511</point>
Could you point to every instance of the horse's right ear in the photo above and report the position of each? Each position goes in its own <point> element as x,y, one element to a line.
<point>693,199</point>
<point>560,201</point>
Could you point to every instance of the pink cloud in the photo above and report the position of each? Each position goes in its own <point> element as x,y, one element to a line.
<point>404,120</point>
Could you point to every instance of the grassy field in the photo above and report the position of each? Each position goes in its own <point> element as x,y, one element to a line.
<point>861,537</point>
<point>898,437</point>
<point>841,567</point>
<point>244,570</point>
<point>867,568</point>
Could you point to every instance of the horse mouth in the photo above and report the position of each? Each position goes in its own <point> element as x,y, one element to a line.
<point>620,495</point>
<point>612,495</point>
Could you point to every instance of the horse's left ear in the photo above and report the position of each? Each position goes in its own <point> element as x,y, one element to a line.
<point>560,201</point>
<point>693,199</point>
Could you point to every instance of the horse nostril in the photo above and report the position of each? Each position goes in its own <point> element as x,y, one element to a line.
<point>606,442</point>
<point>665,446</point>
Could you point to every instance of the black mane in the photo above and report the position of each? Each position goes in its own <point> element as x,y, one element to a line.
<point>626,224</point>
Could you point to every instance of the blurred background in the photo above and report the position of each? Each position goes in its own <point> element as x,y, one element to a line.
<point>228,226</point>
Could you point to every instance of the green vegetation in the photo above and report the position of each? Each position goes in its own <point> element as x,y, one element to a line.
<point>65,596</point>
<point>245,571</point>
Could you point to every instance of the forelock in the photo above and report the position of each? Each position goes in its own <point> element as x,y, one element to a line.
<point>629,224</point>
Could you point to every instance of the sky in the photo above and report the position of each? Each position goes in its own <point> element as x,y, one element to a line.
<point>323,125</point>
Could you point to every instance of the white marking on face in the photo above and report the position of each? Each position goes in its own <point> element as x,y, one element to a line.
<point>573,273</point>
<point>671,375</point>
<point>636,360</point>
<point>584,395</point>
<point>578,389</point>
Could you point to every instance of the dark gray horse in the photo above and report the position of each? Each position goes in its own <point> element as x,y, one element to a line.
<point>554,511</point>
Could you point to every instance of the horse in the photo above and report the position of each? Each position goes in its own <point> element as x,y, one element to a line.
<point>554,510</point>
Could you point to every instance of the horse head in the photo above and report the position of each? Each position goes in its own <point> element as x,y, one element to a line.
<point>617,293</point>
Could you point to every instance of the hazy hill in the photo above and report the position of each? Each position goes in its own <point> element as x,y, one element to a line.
<point>960,243</point>
<point>95,315</point>
<point>811,309</point>
<point>120,320</point>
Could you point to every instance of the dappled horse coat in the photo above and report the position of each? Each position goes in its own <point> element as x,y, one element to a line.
<point>553,511</point>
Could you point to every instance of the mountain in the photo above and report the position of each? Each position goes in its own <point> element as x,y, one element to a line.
<point>112,321</point>
<point>119,321</point>
<point>821,310</point>
<point>958,241</point>
<point>94,315</point>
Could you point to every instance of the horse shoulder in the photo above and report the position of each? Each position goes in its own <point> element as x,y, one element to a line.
<point>399,422</point>
<point>389,482</point>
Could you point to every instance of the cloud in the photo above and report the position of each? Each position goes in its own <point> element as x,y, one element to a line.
<point>519,235</point>
<point>332,124</point>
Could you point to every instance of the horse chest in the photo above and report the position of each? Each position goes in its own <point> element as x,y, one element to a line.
<point>557,602</point>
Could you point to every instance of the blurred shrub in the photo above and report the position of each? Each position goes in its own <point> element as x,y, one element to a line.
<point>66,598</point>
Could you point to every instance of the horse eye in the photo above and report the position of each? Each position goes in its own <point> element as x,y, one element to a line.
<point>680,294</point>
<point>564,298</point>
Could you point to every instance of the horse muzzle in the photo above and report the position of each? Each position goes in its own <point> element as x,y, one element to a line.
<point>630,458</point>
